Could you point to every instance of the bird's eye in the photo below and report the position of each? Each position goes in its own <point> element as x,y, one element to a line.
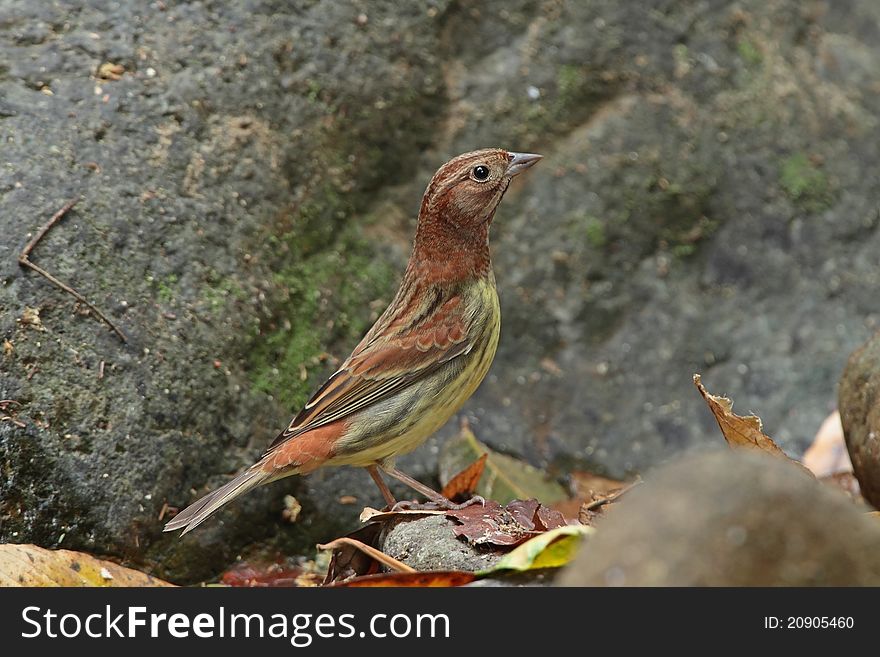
<point>480,173</point>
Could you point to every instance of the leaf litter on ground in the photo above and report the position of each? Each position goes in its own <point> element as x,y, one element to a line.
<point>504,478</point>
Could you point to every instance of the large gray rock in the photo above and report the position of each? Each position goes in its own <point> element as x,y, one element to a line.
<point>219,177</point>
<point>707,203</point>
<point>731,519</point>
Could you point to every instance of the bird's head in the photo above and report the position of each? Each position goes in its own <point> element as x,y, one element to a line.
<point>452,241</point>
<point>466,190</point>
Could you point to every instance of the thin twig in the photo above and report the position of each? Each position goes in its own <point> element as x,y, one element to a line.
<point>9,418</point>
<point>607,499</point>
<point>378,555</point>
<point>24,261</point>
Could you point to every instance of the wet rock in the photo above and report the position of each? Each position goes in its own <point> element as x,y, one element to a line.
<point>731,519</point>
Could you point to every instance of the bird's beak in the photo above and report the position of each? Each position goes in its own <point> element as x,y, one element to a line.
<point>519,162</point>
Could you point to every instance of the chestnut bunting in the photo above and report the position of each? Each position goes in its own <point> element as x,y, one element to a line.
<point>421,360</point>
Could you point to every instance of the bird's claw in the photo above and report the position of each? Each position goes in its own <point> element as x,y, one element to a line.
<point>476,499</point>
<point>437,505</point>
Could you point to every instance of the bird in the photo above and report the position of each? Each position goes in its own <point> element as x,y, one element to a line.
<point>422,359</point>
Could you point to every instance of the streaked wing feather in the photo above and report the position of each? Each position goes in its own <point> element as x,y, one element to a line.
<point>381,366</point>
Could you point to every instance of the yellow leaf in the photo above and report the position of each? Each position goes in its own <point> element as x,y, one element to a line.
<point>29,565</point>
<point>550,549</point>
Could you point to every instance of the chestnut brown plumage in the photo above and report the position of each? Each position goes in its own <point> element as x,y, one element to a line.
<point>421,360</point>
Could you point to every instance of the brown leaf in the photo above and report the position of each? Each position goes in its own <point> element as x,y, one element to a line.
<point>463,485</point>
<point>740,431</point>
<point>504,479</point>
<point>433,578</point>
<point>29,565</point>
<point>511,525</point>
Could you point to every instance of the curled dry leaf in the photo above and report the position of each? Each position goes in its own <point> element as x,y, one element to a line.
<point>463,485</point>
<point>740,431</point>
<point>348,561</point>
<point>369,550</point>
<point>29,565</point>
<point>504,478</point>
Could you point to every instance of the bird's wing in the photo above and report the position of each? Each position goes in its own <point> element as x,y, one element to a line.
<point>388,360</point>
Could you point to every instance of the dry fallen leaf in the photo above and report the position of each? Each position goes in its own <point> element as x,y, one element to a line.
<point>29,565</point>
<point>504,478</point>
<point>740,431</point>
<point>386,560</point>
<point>463,485</point>
<point>510,525</point>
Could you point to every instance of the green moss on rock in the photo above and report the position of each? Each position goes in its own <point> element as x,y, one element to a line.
<point>804,183</point>
<point>332,285</point>
<point>749,52</point>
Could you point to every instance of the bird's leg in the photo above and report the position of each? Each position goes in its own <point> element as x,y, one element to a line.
<point>383,487</point>
<point>428,492</point>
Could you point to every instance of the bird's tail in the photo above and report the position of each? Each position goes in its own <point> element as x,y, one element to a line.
<point>197,512</point>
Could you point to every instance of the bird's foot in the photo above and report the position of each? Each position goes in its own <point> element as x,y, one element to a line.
<point>476,499</point>
<point>441,504</point>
